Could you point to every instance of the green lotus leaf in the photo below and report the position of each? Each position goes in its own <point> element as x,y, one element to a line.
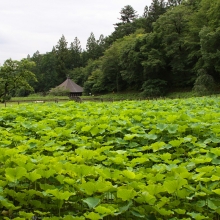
<point>89,188</point>
<point>59,194</point>
<point>154,189</point>
<point>196,216</point>
<point>51,218</point>
<point>215,151</point>
<point>136,214</point>
<point>18,218</point>
<point>217,191</point>
<point>26,215</point>
<point>161,127</point>
<point>70,217</point>
<point>70,181</point>
<point>92,202</point>
<point>166,156</point>
<point>159,167</point>
<point>212,205</point>
<point>201,203</point>
<point>95,130</point>
<point>146,197</point>
<point>86,128</point>
<point>163,211</point>
<point>182,128</point>
<point>124,208</point>
<point>148,136</point>
<point>129,137</point>
<point>33,176</point>
<point>129,174</point>
<point>175,143</point>
<point>205,189</point>
<point>157,146</point>
<point>125,194</point>
<point>171,167</point>
<point>137,117</point>
<point>163,201</point>
<point>3,183</point>
<point>14,174</point>
<point>180,211</point>
<point>46,173</point>
<point>37,204</point>
<point>216,161</point>
<point>109,210</point>
<point>205,169</point>
<point>182,193</point>
<point>93,216</point>
<point>172,129</point>
<point>173,185</point>
<point>201,160</point>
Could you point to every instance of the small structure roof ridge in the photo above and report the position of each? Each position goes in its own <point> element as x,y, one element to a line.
<point>71,86</point>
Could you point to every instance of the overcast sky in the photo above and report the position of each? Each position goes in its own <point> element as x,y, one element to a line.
<point>30,25</point>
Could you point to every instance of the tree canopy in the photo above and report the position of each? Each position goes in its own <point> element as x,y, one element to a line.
<point>14,76</point>
<point>164,49</point>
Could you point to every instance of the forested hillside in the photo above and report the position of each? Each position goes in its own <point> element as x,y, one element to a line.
<point>174,44</point>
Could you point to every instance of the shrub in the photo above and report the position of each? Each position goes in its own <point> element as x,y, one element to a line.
<point>204,84</point>
<point>154,87</point>
<point>5,98</point>
<point>59,91</point>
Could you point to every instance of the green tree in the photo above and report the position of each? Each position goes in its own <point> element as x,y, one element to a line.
<point>204,84</point>
<point>78,76</point>
<point>121,31</point>
<point>128,25</point>
<point>130,61</point>
<point>95,48</point>
<point>75,53</point>
<point>93,77</point>
<point>173,27</point>
<point>45,71</point>
<point>152,13</point>
<point>15,75</point>
<point>128,15</point>
<point>209,13</point>
<point>210,50</point>
<point>91,47</point>
<point>174,2</point>
<point>111,68</point>
<point>203,37</point>
<point>154,88</point>
<point>101,45</point>
<point>63,60</point>
<point>153,57</point>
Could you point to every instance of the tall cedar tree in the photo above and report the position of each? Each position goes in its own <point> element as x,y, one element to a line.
<point>75,53</point>
<point>62,56</point>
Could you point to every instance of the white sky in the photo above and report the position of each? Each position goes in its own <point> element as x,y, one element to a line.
<point>30,25</point>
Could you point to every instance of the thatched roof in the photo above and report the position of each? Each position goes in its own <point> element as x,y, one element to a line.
<point>68,84</point>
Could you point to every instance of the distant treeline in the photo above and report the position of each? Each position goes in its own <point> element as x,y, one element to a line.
<point>174,44</point>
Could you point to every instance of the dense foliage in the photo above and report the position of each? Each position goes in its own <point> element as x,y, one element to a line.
<point>125,160</point>
<point>15,77</point>
<point>172,42</point>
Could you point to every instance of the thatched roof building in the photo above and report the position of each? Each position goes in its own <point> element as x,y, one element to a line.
<point>75,90</point>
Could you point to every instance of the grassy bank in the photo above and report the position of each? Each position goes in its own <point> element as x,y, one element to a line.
<point>110,96</point>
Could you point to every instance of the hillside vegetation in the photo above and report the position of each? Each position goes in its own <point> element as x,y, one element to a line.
<point>173,45</point>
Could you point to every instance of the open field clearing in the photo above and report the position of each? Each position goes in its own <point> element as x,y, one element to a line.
<point>121,160</point>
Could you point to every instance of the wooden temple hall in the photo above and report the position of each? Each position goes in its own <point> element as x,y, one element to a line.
<point>75,90</point>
